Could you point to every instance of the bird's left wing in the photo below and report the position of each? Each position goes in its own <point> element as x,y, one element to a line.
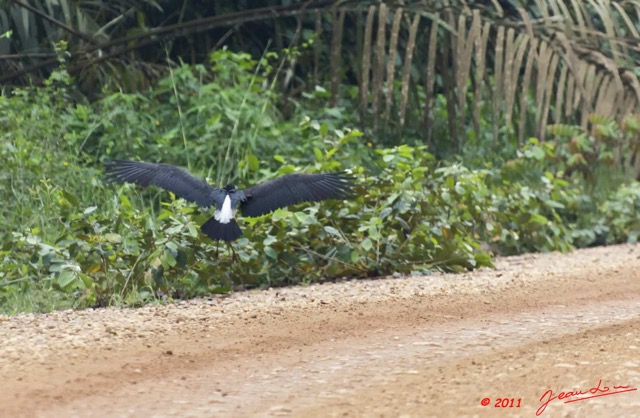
<point>169,177</point>
<point>295,188</point>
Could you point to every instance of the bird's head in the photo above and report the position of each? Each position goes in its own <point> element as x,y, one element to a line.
<point>230,188</point>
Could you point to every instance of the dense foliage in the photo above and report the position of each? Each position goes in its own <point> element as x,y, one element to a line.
<point>499,66</point>
<point>70,239</point>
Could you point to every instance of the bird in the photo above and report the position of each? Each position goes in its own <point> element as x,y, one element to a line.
<point>254,201</point>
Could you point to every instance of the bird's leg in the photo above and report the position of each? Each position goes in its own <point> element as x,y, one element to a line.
<point>234,256</point>
<point>217,249</point>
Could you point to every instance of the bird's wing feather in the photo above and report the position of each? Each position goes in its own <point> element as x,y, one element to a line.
<point>166,176</point>
<point>295,188</point>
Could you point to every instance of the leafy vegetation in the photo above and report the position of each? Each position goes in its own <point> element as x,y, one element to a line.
<point>70,240</point>
<point>504,69</point>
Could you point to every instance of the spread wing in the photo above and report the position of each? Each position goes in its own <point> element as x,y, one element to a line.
<point>166,176</point>
<point>295,188</point>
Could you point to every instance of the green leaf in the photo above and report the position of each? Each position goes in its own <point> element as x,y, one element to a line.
<point>174,229</point>
<point>167,259</point>
<point>164,214</point>
<point>125,202</point>
<point>214,120</point>
<point>113,238</point>
<point>89,210</point>
<point>535,153</point>
<point>66,280</point>
<point>271,253</point>
<point>87,281</point>
<point>539,219</point>
<point>333,231</point>
<point>287,169</point>
<point>253,162</point>
<point>305,218</point>
<point>70,198</point>
<point>367,244</point>
<point>483,259</point>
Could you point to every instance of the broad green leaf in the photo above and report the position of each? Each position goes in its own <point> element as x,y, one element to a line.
<point>87,281</point>
<point>167,259</point>
<point>174,229</point>
<point>125,202</point>
<point>318,154</point>
<point>270,239</point>
<point>70,198</point>
<point>539,219</point>
<point>253,162</point>
<point>90,210</point>
<point>66,280</point>
<point>113,238</point>
<point>333,231</point>
<point>94,268</point>
<point>271,253</point>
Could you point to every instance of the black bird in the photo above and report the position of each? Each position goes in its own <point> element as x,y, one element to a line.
<point>254,201</point>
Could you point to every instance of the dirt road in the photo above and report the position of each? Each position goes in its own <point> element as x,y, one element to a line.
<point>435,346</point>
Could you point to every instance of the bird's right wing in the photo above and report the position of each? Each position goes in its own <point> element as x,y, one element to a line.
<point>166,176</point>
<point>295,188</point>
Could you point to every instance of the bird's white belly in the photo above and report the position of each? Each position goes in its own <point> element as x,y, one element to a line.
<point>225,214</point>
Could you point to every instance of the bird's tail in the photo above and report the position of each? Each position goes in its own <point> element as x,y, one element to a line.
<point>226,232</point>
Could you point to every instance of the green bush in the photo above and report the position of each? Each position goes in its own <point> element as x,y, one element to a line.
<point>531,203</point>
<point>621,214</point>
<point>70,240</point>
<point>406,218</point>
